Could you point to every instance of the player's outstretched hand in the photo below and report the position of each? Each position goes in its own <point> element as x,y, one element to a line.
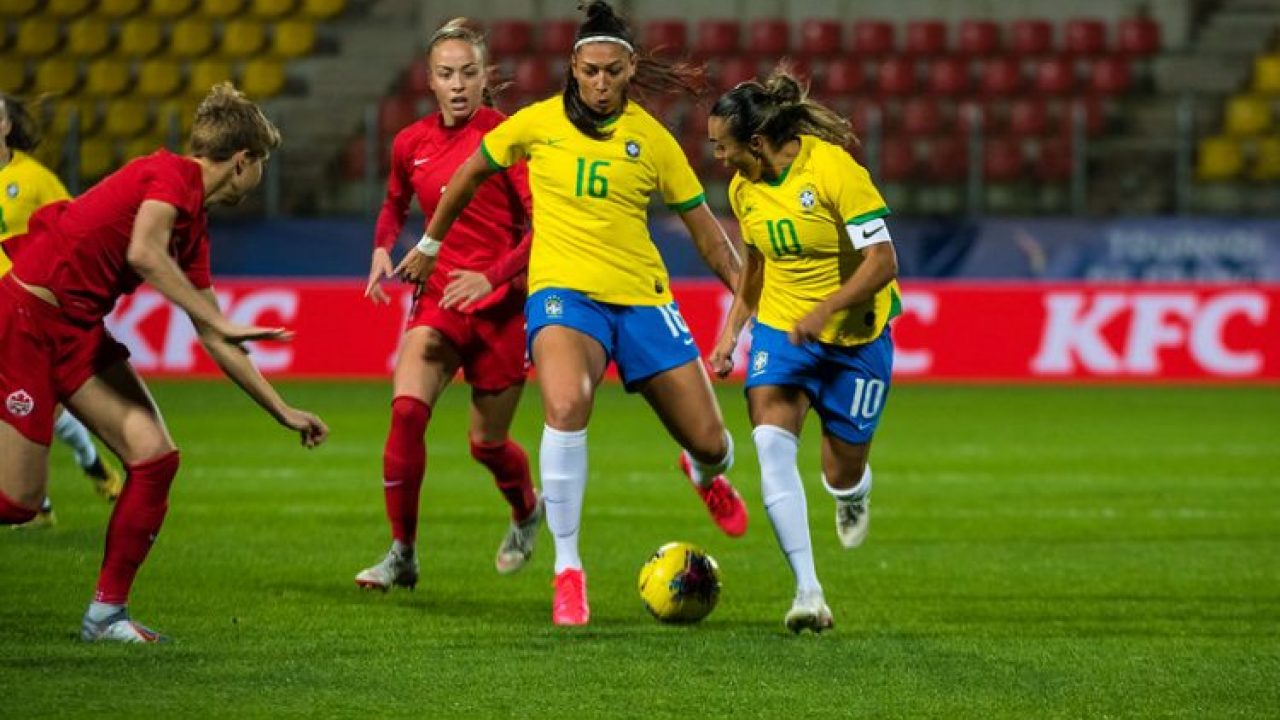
<point>379,268</point>
<point>415,267</point>
<point>721,359</point>
<point>237,334</point>
<point>809,327</point>
<point>311,428</point>
<point>465,288</point>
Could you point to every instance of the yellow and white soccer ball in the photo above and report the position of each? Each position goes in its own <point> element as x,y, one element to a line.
<point>680,583</point>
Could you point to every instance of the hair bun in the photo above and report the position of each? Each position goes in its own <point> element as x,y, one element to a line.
<point>784,89</point>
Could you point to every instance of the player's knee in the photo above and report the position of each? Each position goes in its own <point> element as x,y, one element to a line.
<point>709,443</point>
<point>13,513</point>
<point>567,413</point>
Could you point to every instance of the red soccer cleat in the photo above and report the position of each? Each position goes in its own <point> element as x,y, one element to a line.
<point>570,604</point>
<point>722,501</point>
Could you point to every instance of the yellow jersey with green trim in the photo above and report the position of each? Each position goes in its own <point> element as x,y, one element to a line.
<point>25,186</point>
<point>798,223</point>
<point>591,199</point>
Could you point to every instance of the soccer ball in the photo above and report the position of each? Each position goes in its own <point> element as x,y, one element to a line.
<point>680,583</point>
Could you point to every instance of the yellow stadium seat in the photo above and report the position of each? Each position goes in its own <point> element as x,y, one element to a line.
<point>140,37</point>
<point>89,36</point>
<point>1247,115</point>
<point>66,8</point>
<point>221,9</point>
<point>59,76</point>
<point>86,115</point>
<point>1266,75</point>
<point>117,9</point>
<point>321,9</point>
<point>1221,158</point>
<point>18,8</point>
<point>205,74</point>
<point>271,9</point>
<point>108,77</point>
<point>190,38</point>
<point>184,111</point>
<point>158,78</point>
<point>14,78</point>
<point>49,152</point>
<point>293,38</point>
<point>139,146</point>
<point>97,157</point>
<point>37,37</point>
<point>242,38</point>
<point>1266,164</point>
<point>262,78</point>
<point>171,9</point>
<point>126,117</point>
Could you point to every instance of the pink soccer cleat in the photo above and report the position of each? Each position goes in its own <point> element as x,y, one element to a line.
<point>722,500</point>
<point>569,608</point>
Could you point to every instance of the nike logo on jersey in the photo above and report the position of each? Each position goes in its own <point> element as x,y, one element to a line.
<point>869,232</point>
<point>420,161</point>
<point>552,142</point>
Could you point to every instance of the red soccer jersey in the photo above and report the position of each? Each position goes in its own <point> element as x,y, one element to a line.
<point>77,248</point>
<point>491,234</point>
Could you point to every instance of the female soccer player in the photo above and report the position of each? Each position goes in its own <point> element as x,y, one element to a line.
<point>599,290</point>
<point>820,278</point>
<point>28,185</point>
<point>144,223</point>
<point>474,322</point>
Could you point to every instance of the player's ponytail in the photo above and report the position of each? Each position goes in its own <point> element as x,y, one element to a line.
<point>460,28</point>
<point>228,122</point>
<point>24,131</point>
<point>779,109</point>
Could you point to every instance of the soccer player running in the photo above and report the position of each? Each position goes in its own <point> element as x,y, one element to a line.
<point>598,288</point>
<point>468,316</point>
<point>820,278</point>
<point>27,186</point>
<point>144,223</point>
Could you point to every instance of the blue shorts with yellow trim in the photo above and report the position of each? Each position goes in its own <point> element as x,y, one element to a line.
<point>847,386</point>
<point>641,340</point>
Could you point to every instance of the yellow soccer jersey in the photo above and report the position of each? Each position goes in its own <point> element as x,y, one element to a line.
<point>25,186</point>
<point>591,198</point>
<point>798,223</point>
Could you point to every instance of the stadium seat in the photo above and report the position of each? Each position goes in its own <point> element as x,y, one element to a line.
<point>1090,109</point>
<point>140,146</point>
<point>181,110</point>
<point>140,37</point>
<point>1028,117</point>
<point>531,75</point>
<point>1246,115</point>
<point>717,38</point>
<point>293,38</point>
<point>897,160</point>
<point>1085,37</point>
<point>169,9</point>
<point>1266,75</point>
<point>58,76</point>
<point>1266,165</point>
<point>1054,76</point>
<point>978,38</point>
<point>921,116</point>
<point>844,76</point>
<point>508,37</point>
<point>262,78</point>
<point>97,157</point>
<point>1110,76</point>
<point>190,38</point>
<point>1031,37</point>
<point>321,9</point>
<point>242,38</point>
<point>126,117</point>
<point>1054,162</point>
<point>88,37</point>
<point>158,78</point>
<point>926,38</point>
<point>769,37</point>
<point>417,80</point>
<point>271,9</point>
<point>221,9</point>
<point>18,8</point>
<point>949,75</point>
<point>204,74</point>
<point>1001,76</point>
<point>1138,37</point>
<point>352,162</point>
<point>85,112</point>
<point>666,37</point>
<point>37,37</point>
<point>557,36</point>
<point>873,38</point>
<point>862,114</point>
<point>896,76</point>
<point>108,77</point>
<point>734,70</point>
<point>14,77</point>
<point>394,115</point>
<point>973,112</point>
<point>1220,158</point>
<point>117,9</point>
<point>946,160</point>
<point>66,9</point>
<point>1002,160</point>
<point>820,37</point>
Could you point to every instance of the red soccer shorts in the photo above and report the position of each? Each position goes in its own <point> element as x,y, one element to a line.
<point>44,359</point>
<point>490,341</point>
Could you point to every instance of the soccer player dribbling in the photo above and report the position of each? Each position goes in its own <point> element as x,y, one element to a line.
<point>146,222</point>
<point>820,279</point>
<point>599,291</point>
<point>464,318</point>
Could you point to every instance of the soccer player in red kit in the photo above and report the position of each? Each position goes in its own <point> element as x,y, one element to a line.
<point>144,223</point>
<point>469,315</point>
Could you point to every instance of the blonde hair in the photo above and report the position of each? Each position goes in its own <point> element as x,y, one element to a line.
<point>228,122</point>
<point>780,110</point>
<point>460,28</point>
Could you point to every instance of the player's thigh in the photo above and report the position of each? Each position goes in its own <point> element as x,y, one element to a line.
<point>570,365</point>
<point>684,402</point>
<point>24,467</point>
<point>492,412</point>
<point>782,406</point>
<point>116,405</point>
<point>843,462</point>
<point>427,361</point>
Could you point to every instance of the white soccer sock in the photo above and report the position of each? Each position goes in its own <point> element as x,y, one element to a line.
<point>785,502</point>
<point>563,465</point>
<point>70,431</point>
<point>101,611</point>
<point>702,474</point>
<point>857,492</point>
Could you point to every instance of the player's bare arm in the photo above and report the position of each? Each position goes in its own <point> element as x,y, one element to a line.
<point>713,243</point>
<point>417,263</point>
<point>879,267</point>
<point>745,301</point>
<point>380,268</point>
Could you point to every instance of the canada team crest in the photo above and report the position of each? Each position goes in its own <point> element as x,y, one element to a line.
<point>19,403</point>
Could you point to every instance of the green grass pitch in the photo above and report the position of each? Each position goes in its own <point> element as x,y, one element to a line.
<point>1035,552</point>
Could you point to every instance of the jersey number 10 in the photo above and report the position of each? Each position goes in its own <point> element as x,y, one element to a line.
<point>783,238</point>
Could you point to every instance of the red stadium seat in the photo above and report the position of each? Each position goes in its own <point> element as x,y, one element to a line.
<point>1028,117</point>
<point>896,76</point>
<point>667,37</point>
<point>718,38</point>
<point>394,114</point>
<point>897,160</point>
<point>734,70</point>
<point>531,75</point>
<point>1093,113</point>
<point>1086,37</point>
<point>873,38</point>
<point>921,116</point>
<point>979,38</point>
<point>510,37</point>
<point>417,79</point>
<point>1055,76</point>
<point>949,76</point>
<point>769,37</point>
<point>947,160</point>
<point>1138,37</point>
<point>844,76</point>
<point>860,113</point>
<point>1110,76</point>
<point>820,37</point>
<point>926,37</point>
<point>1032,37</point>
<point>971,112</point>
<point>1001,76</point>
<point>557,36</point>
<point>1002,160</point>
<point>1054,162</point>
<point>353,159</point>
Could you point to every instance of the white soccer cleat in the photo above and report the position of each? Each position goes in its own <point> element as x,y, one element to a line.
<point>118,628</point>
<point>395,569</point>
<point>853,521</point>
<point>517,546</point>
<point>809,611</point>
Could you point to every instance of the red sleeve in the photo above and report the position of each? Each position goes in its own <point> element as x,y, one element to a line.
<point>395,208</point>
<point>167,184</point>
<point>516,260</point>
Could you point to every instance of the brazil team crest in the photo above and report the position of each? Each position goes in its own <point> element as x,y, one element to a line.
<point>553,306</point>
<point>633,149</point>
<point>11,190</point>
<point>759,362</point>
<point>808,197</point>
